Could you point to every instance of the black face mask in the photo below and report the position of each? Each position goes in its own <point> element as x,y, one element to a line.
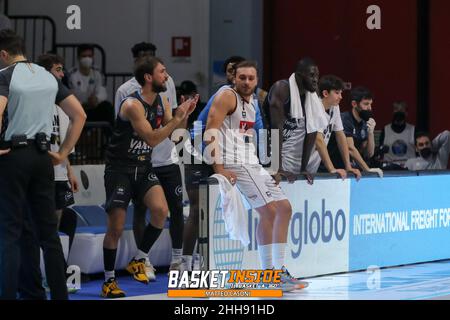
<point>399,117</point>
<point>398,128</point>
<point>365,114</point>
<point>425,153</point>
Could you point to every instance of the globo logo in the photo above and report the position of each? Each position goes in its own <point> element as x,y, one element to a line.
<point>322,226</point>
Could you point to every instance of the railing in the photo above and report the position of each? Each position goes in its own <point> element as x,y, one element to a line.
<point>92,144</point>
<point>38,33</point>
<point>5,7</point>
<point>113,81</point>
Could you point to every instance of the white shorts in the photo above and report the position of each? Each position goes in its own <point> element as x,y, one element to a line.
<point>256,185</point>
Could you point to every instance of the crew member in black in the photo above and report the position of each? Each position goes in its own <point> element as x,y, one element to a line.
<point>27,96</point>
<point>141,124</point>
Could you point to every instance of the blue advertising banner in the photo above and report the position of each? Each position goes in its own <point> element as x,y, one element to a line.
<point>401,220</point>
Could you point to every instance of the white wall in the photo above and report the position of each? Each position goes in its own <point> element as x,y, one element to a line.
<point>236,29</point>
<point>183,18</point>
<point>116,25</point>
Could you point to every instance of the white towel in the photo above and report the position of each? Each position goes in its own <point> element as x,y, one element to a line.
<point>315,113</point>
<point>234,212</point>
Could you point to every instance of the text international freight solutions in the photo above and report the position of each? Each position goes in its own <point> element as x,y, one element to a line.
<point>404,221</point>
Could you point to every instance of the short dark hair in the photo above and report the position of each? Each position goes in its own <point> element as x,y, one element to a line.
<point>11,42</point>
<point>330,82</point>
<point>48,60</point>
<point>233,60</point>
<point>421,134</point>
<point>360,93</point>
<point>142,46</point>
<point>305,63</point>
<point>84,47</point>
<point>246,64</point>
<point>188,87</point>
<point>400,103</point>
<point>145,66</point>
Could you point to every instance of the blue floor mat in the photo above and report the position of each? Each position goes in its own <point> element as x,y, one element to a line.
<point>91,290</point>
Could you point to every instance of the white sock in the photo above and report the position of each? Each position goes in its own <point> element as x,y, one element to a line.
<point>279,251</point>
<point>176,255</point>
<point>265,256</point>
<point>187,260</point>
<point>140,255</point>
<point>109,275</point>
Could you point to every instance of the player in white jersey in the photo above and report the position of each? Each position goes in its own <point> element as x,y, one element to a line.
<point>330,92</point>
<point>299,131</point>
<point>66,183</point>
<point>231,118</point>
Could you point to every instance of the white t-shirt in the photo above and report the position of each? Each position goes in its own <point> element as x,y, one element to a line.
<point>165,153</point>
<point>84,86</point>
<point>60,125</point>
<point>334,121</point>
<point>401,145</point>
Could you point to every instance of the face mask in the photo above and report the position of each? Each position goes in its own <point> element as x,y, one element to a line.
<point>425,153</point>
<point>86,62</point>
<point>365,114</point>
<point>398,128</point>
<point>399,117</point>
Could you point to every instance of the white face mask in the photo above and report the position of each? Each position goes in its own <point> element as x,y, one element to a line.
<point>86,62</point>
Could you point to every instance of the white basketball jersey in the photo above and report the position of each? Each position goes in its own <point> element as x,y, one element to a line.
<point>238,138</point>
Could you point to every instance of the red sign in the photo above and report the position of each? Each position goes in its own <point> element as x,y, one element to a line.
<point>181,46</point>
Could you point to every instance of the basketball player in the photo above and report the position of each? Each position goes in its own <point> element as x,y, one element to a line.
<point>299,130</point>
<point>141,125</point>
<point>230,120</point>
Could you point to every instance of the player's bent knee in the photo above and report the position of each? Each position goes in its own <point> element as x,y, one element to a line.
<point>161,212</point>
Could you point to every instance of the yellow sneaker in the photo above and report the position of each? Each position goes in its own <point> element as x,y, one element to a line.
<point>137,269</point>
<point>110,289</point>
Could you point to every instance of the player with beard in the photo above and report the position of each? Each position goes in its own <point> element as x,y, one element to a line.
<point>230,122</point>
<point>141,125</point>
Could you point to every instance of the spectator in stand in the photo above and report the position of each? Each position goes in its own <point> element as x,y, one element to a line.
<point>398,136</point>
<point>432,155</point>
<point>87,85</point>
<point>188,90</point>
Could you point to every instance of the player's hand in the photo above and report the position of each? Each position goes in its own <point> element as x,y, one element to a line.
<point>309,177</point>
<point>371,124</point>
<point>356,172</point>
<point>341,172</point>
<point>56,157</point>
<point>183,109</point>
<point>193,104</point>
<point>2,152</point>
<point>377,171</point>
<point>230,175</point>
<point>72,180</point>
<point>290,177</point>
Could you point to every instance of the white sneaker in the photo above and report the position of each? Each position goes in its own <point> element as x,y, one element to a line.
<point>197,262</point>
<point>149,270</point>
<point>176,265</point>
